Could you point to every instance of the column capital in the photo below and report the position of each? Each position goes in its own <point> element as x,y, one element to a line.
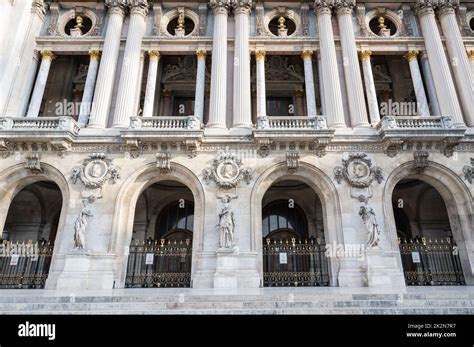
<point>307,54</point>
<point>201,54</point>
<point>220,6</point>
<point>299,92</point>
<point>424,7</point>
<point>365,55</point>
<point>260,54</point>
<point>323,6</point>
<point>47,55</point>
<point>446,7</point>
<point>116,6</point>
<point>411,55</point>
<point>154,54</point>
<point>470,55</point>
<point>138,7</point>
<point>94,54</point>
<point>242,6</point>
<point>344,6</point>
<point>38,7</point>
<point>166,92</point>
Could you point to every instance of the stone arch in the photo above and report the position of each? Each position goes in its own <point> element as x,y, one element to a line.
<point>458,201</point>
<point>17,177</point>
<point>322,186</point>
<point>124,212</point>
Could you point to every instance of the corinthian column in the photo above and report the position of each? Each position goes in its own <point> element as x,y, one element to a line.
<point>154,57</point>
<point>200,84</point>
<point>430,86</point>
<point>40,85</point>
<point>309,82</point>
<point>261,93</point>
<point>242,101</point>
<point>370,87</point>
<point>125,107</point>
<point>86,102</point>
<point>355,92</point>
<point>217,103</point>
<point>330,74</point>
<point>105,78</point>
<point>422,103</point>
<point>457,55</point>
<point>445,90</point>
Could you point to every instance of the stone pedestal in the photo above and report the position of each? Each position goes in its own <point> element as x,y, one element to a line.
<point>75,275</point>
<point>226,274</point>
<point>350,273</point>
<point>383,270</point>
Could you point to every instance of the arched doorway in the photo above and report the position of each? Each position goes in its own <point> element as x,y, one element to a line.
<point>162,237</point>
<point>428,250</point>
<point>27,239</point>
<point>293,236</point>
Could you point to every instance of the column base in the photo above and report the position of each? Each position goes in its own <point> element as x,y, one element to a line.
<point>216,125</point>
<point>383,270</point>
<point>362,125</point>
<point>337,125</point>
<point>243,125</point>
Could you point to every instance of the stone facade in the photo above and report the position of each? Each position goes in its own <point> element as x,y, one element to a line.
<point>130,62</point>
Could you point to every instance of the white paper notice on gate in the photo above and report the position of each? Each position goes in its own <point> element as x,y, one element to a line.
<point>14,259</point>
<point>415,256</point>
<point>149,258</point>
<point>283,258</point>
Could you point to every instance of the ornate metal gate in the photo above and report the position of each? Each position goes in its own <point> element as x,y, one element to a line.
<point>294,263</point>
<point>23,265</point>
<point>431,263</point>
<point>164,263</point>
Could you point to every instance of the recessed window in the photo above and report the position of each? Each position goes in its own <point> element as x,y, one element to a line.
<point>180,26</point>
<point>78,26</point>
<point>282,26</point>
<point>471,24</point>
<point>382,26</point>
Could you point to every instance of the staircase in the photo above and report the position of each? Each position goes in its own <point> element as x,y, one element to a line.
<point>413,300</point>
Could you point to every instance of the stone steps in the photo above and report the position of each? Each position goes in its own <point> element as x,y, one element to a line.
<point>266,301</point>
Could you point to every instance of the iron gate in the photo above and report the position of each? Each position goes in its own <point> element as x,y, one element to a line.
<point>429,262</point>
<point>164,263</point>
<point>23,265</point>
<point>294,263</point>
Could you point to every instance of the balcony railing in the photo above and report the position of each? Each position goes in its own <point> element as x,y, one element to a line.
<point>291,122</point>
<point>165,123</point>
<point>39,124</point>
<point>410,122</point>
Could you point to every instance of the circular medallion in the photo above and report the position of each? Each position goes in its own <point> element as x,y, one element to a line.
<point>228,170</point>
<point>95,170</point>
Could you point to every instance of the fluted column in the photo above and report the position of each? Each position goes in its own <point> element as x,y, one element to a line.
<point>430,86</point>
<point>242,101</point>
<point>124,108</point>
<point>200,84</point>
<point>421,101</point>
<point>470,56</point>
<point>86,102</point>
<point>355,92</point>
<point>321,85</point>
<point>16,87</point>
<point>40,85</point>
<point>261,92</point>
<point>330,74</point>
<point>309,82</point>
<point>154,57</point>
<point>459,62</point>
<point>217,103</point>
<point>105,78</point>
<point>370,87</point>
<point>444,84</point>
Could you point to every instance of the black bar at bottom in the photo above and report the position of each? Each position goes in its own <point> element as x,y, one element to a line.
<point>222,330</point>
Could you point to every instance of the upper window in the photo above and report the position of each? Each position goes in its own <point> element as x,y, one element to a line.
<point>283,220</point>
<point>78,26</point>
<point>175,221</point>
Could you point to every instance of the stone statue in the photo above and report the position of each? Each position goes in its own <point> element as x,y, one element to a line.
<point>368,217</point>
<point>77,30</point>
<point>226,224</point>
<point>384,31</point>
<point>80,226</point>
